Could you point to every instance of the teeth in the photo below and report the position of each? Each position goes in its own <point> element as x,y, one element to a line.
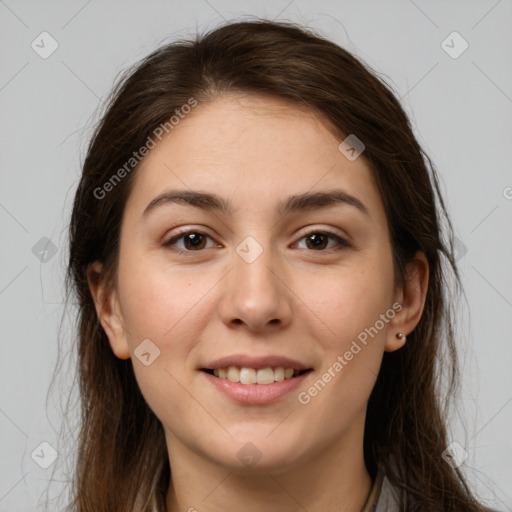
<point>252,376</point>
<point>265,376</point>
<point>247,376</point>
<point>233,374</point>
<point>279,374</point>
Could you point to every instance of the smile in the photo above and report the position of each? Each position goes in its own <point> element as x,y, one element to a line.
<point>262,376</point>
<point>245,389</point>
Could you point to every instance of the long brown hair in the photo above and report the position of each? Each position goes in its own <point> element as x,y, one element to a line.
<point>121,454</point>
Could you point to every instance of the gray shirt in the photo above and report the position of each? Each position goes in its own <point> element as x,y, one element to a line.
<point>383,496</point>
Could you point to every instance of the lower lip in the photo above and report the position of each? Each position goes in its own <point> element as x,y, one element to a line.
<point>256,394</point>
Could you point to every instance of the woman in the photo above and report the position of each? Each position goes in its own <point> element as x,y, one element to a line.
<point>256,249</point>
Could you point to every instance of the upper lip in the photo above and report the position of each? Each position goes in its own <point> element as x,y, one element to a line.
<point>245,361</point>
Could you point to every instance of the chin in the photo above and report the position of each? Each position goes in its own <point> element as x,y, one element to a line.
<point>256,451</point>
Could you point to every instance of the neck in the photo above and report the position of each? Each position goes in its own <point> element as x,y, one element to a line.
<point>335,478</point>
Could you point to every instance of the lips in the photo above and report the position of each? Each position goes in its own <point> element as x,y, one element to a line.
<point>255,394</point>
<point>262,371</point>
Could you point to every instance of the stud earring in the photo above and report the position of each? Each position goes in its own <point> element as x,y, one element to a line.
<point>402,337</point>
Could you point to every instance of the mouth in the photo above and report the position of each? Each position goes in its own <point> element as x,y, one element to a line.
<point>251,379</point>
<point>261,376</point>
<point>251,386</point>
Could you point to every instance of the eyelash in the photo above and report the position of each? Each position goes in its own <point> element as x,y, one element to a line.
<point>343,244</point>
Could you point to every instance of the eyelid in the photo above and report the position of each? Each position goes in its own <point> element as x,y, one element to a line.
<point>331,231</point>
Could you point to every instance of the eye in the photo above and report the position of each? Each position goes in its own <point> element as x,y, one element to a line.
<point>193,240</point>
<point>318,240</point>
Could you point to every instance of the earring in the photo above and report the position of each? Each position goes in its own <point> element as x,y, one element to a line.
<point>402,337</point>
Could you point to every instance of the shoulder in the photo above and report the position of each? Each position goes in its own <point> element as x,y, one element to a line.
<point>387,497</point>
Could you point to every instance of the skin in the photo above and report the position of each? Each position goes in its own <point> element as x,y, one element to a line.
<point>294,300</point>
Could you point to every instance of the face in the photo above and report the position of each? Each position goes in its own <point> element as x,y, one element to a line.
<point>288,269</point>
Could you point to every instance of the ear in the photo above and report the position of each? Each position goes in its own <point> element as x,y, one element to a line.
<point>107,309</point>
<point>412,298</point>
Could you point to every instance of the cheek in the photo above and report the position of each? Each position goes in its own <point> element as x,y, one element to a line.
<point>354,319</point>
<point>347,302</point>
<point>171,309</point>
<point>162,303</point>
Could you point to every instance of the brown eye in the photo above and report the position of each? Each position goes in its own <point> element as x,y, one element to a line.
<point>192,241</point>
<point>318,240</point>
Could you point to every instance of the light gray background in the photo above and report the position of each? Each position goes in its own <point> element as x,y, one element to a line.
<point>461,110</point>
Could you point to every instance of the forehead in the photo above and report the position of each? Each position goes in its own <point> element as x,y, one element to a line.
<point>252,150</point>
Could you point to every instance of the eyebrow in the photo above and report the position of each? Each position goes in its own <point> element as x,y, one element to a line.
<point>212,202</point>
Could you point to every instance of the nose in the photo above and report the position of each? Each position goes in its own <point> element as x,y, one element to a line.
<point>256,294</point>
